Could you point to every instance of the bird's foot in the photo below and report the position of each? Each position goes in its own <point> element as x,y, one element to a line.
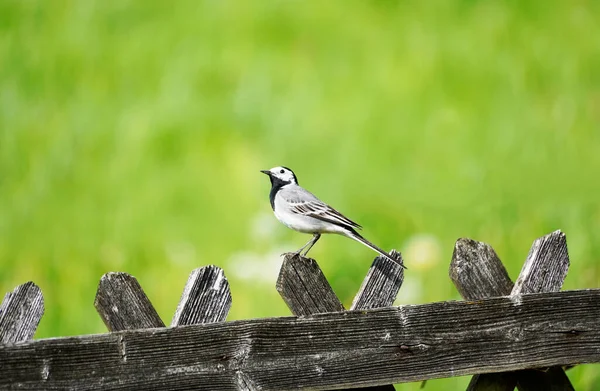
<point>295,254</point>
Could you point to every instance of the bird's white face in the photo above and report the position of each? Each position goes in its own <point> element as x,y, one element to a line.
<point>283,174</point>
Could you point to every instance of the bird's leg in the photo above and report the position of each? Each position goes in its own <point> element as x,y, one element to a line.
<point>312,242</point>
<point>299,252</point>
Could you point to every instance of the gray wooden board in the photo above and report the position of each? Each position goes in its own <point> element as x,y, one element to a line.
<point>546,265</point>
<point>477,272</point>
<point>206,298</point>
<point>379,289</point>
<point>544,270</point>
<point>382,283</point>
<point>325,351</point>
<point>305,289</point>
<point>20,313</point>
<point>123,305</point>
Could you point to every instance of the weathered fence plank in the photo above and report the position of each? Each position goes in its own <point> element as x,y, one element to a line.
<point>325,351</point>
<point>304,288</point>
<point>379,289</point>
<point>546,265</point>
<point>123,305</point>
<point>544,270</point>
<point>477,272</point>
<point>206,298</point>
<point>20,313</point>
<point>382,283</point>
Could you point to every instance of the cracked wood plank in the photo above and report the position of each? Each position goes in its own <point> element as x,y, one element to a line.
<point>123,305</point>
<point>299,276</point>
<point>546,265</point>
<point>382,283</point>
<point>477,272</point>
<point>379,289</point>
<point>304,288</point>
<point>324,351</point>
<point>20,313</point>
<point>206,298</point>
<point>544,270</point>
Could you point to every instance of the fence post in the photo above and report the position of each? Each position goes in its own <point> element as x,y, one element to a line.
<point>381,285</point>
<point>304,288</point>
<point>20,313</point>
<point>544,271</point>
<point>478,273</point>
<point>206,298</point>
<point>123,305</point>
<point>306,291</point>
<point>323,351</point>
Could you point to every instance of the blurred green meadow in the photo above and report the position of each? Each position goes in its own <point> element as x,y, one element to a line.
<point>132,134</point>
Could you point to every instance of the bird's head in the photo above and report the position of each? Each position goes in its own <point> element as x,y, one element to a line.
<point>281,175</point>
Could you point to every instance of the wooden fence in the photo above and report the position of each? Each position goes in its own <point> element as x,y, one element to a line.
<point>507,335</point>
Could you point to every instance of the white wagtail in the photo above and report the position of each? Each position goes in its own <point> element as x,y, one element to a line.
<point>301,211</point>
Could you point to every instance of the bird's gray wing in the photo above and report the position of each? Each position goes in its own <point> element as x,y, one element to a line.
<point>305,203</point>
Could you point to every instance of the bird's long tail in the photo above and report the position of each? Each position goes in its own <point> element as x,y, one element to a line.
<point>356,236</point>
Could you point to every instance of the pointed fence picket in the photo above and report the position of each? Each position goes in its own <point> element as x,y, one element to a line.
<point>507,335</point>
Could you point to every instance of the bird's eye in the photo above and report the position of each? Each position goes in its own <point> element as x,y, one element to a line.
<point>281,172</point>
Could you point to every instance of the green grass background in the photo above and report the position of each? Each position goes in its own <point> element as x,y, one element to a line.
<point>132,132</point>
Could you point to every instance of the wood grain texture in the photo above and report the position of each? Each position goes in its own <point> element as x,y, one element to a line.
<point>244,383</point>
<point>20,313</point>
<point>544,270</point>
<point>206,298</point>
<point>324,351</point>
<point>478,273</point>
<point>123,305</point>
<point>476,270</point>
<point>546,265</point>
<point>304,288</point>
<point>299,275</point>
<point>379,289</point>
<point>382,283</point>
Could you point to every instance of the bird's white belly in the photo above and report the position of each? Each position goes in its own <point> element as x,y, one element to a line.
<point>302,223</point>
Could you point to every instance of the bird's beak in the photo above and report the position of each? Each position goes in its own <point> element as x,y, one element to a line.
<point>266,172</point>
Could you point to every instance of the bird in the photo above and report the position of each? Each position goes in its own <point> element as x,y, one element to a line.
<point>302,211</point>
